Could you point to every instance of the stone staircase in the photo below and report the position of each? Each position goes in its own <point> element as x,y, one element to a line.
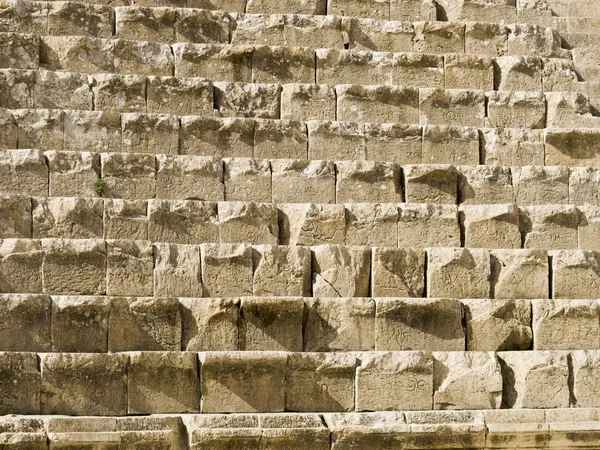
<point>299,224</point>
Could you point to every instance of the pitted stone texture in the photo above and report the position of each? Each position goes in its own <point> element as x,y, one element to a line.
<point>174,95</point>
<point>516,109</point>
<point>397,272</point>
<point>129,268</point>
<point>283,65</point>
<point>512,147</point>
<point>458,273</point>
<point>128,175</point>
<point>119,93</point>
<point>336,140</point>
<point>551,227</point>
<point>418,70</point>
<point>468,72</point>
<point>443,144</point>
<point>340,271</point>
<point>82,54</point>
<point>72,174</point>
<point>280,139</point>
<point>226,269</point>
<point>70,18</point>
<point>16,213</point>
<point>147,24</point>
<point>247,100</point>
<point>367,181</point>
<point>569,110</point>
<point>67,217</point>
<point>62,90</point>
<point>217,62</point>
<point>20,383</point>
<point>80,324</point>
<point>428,225</point>
<point>314,31</point>
<point>9,134</point>
<point>150,133</point>
<point>396,143</point>
<point>20,51</point>
<point>308,102</point>
<point>94,130</point>
<point>372,34</point>
<point>541,185</point>
<point>410,10</point>
<point>247,179</point>
<point>483,38</point>
<point>21,266</point>
<point>281,270</point>
<point>189,177</point>
<point>585,378</point>
<point>484,185</point>
<point>439,37</point>
<point>182,221</point>
<point>16,89</point>
<point>265,29</point>
<point>372,224</point>
<point>125,219</point>
<point>530,39</point>
<point>583,186</point>
<point>575,274</point>
<point>518,73</point>
<point>253,223</point>
<point>491,226</point>
<point>572,147</point>
<point>424,324</point>
<point>30,18</point>
<point>452,107</point>
<point>301,181</point>
<point>485,10</point>
<point>42,129</point>
<point>519,274</point>
<point>201,26</point>
<point>588,228</point>
<point>25,322</point>
<point>209,324</point>
<point>311,224</point>
<point>218,137</point>
<point>24,172</point>
<point>133,57</point>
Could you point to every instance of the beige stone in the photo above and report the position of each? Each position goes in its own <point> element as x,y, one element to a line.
<point>518,73</point>
<point>412,10</point>
<point>491,226</point>
<point>298,181</point>
<point>17,88</point>
<point>260,101</point>
<point>575,274</point>
<point>418,70</point>
<point>397,272</point>
<point>209,324</point>
<point>29,18</point>
<point>82,54</point>
<point>483,38</point>
<point>315,30</point>
<point>132,57</point>
<point>372,34</point>
<point>541,185</point>
<point>201,26</point>
<point>451,107</point>
<point>585,382</point>
<point>41,129</point>
<point>182,221</point>
<point>247,179</point>
<point>264,29</point>
<point>362,181</point>
<point>226,269</point>
<point>512,147</point>
<point>281,270</point>
<point>431,183</point>
<point>376,9</point>
<point>20,383</point>
<point>463,71</point>
<point>24,172</point>
<point>128,175</point>
<point>458,273</point>
<point>485,10</point>
<point>174,95</point>
<point>519,274</point>
<point>67,217</point>
<point>25,323</point>
<point>147,24</point>
<point>428,225</point>
<point>443,144</point>
<point>280,139</point>
<point>217,62</point>
<point>20,50</point>
<point>308,102</point>
<point>21,266</point>
<point>353,66</point>
<point>71,174</point>
<point>219,137</point>
<point>396,143</point>
<point>150,133</point>
<point>530,39</point>
<point>125,219</point>
<point>336,140</point>
<point>485,185</point>
<point>9,134</point>
<point>272,64</point>
<point>340,271</point>
<point>311,224</point>
<point>372,224</point>
<point>572,147</point>
<point>66,18</point>
<point>253,223</point>
<point>189,177</point>
<point>177,270</point>
<point>516,109</point>
<point>423,324</point>
<point>550,227</point>
<point>119,93</point>
<point>94,130</point>
<point>130,267</point>
<point>62,90</point>
<point>588,227</point>
<point>560,75</point>
<point>439,37</point>
<point>16,213</point>
<point>569,110</point>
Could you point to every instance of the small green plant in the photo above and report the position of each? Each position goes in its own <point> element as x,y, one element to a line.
<point>99,187</point>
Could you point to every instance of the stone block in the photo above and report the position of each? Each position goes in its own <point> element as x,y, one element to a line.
<point>177,271</point>
<point>485,10</point>
<point>428,225</point>
<point>506,109</point>
<point>209,324</point>
<point>249,222</point>
<point>247,179</point>
<point>439,37</point>
<point>16,217</point>
<point>40,128</point>
<point>569,110</point>
<point>572,147</point>
<point>264,29</point>
<point>145,24</point>
<point>281,65</point>
<point>174,95</point>
<point>23,172</point>
<point>424,324</point>
<point>271,324</point>
<point>119,93</point>
<point>150,133</point>
<point>133,57</point>
<point>74,266</point>
<point>369,34</point>
<point>189,177</point>
<point>21,266</point>
<point>17,98</point>
<point>549,227</point>
<point>585,378</point>
<point>71,174</point>
<point>464,71</point>
<point>430,183</point>
<point>588,227</point>
<point>30,18</point>
<point>261,101</point>
<point>226,270</point>
<point>498,325</point>
<point>20,384</point>
<point>130,266</point>
<point>218,137</point>
<point>452,107</point>
<point>308,102</point>
<point>541,185</point>
<point>518,73</point>
<point>484,38</point>
<point>309,224</point>
<point>201,26</point>
<point>397,272</point>
<point>512,147</point>
<point>314,30</point>
<point>362,181</point>
<point>458,273</point>
<point>217,62</point>
<point>80,324</point>
<point>374,9</point>
<point>25,323</point>
<point>466,380</point>
<point>128,175</point>
<point>530,39</point>
<point>84,384</point>
<point>485,185</point>
<point>182,221</point>
<point>575,274</point>
<point>336,140</point>
<point>281,270</point>
<point>235,382</point>
<point>94,130</point>
<point>491,226</point>
<point>144,324</point>
<point>79,19</point>
<point>418,70</point>
<point>320,382</point>
<point>372,224</point>
<point>163,382</point>
<point>353,66</point>
<point>9,132</point>
<point>340,271</point>
<point>334,325</point>
<point>125,219</point>
<point>83,54</point>
<point>411,10</point>
<point>538,381</point>
<point>62,90</point>
<point>444,144</point>
<point>280,139</point>
<point>67,217</point>
<point>302,181</point>
<point>560,75</point>
<point>396,143</point>
<point>519,274</point>
<point>400,381</point>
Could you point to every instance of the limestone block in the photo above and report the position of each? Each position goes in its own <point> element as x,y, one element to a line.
<point>126,219</point>
<point>572,147</point>
<point>301,181</point>
<point>397,273</point>
<point>353,66</point>
<point>21,266</point>
<point>463,71</point>
<point>174,95</point>
<point>485,185</point>
<point>271,324</point>
<point>484,10</point>
<point>94,130</point>
<point>80,324</point>
<point>119,93</point>
<point>145,24</point>
<point>132,57</point>
<point>551,227</point>
<point>566,324</point>
<point>308,102</point>
<point>128,175</point>
<point>466,380</point>
<point>209,324</point>
<point>82,54</point>
<point>518,73</point>
<point>451,107</point>
<point>334,325</point>
<point>418,70</point>
<point>512,147</point>
<point>253,223</point>
<point>377,104</point>
<point>189,177</point>
<point>428,225</point>
<point>560,75</point>
<point>569,110</point>
<point>529,39</point>
<point>313,31</point>
<point>247,179</point>
<point>20,384</point>
<point>201,26</point>
<point>280,139</point>
<point>67,217</point>
<point>16,88</point>
<point>265,29</point>
<point>9,133</point>
<point>484,38</point>
<point>78,19</point>
<point>136,430</point>
<point>320,382</point>
<point>281,270</point>
<point>149,133</point>
<point>498,325</point>
<point>130,267</point>
<point>272,64</point>
<point>411,10</point>
<point>144,324</point>
<point>585,378</point>
<point>74,266</point>
<point>372,224</point>
<point>375,9</point>
<point>516,109</point>
<point>62,90</point>
<point>182,221</point>
<point>71,174</point>
<point>575,274</point>
<point>28,18</point>
<point>519,274</point>
<point>227,137</point>
<point>40,128</point>
<point>163,382</point>
<point>356,429</point>
<point>336,140</point>
<point>246,100</point>
<point>431,183</point>
<point>400,381</point>
<point>219,431</point>
<point>491,226</point>
<point>443,144</point>
<point>455,428</point>
<point>458,273</point>
<point>541,185</point>
<point>367,181</point>
<point>371,34</point>
<point>439,37</point>
<point>234,382</point>
<point>310,224</point>
<point>226,269</point>
<point>340,271</point>
<point>85,384</point>
<point>217,62</point>
<point>16,217</point>
<point>424,324</point>
<point>177,271</point>
<point>538,381</point>
<point>396,143</point>
<point>23,172</point>
<point>588,227</point>
<point>25,323</point>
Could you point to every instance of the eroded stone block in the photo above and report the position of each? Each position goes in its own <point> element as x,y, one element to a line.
<point>520,273</point>
<point>491,226</point>
<point>189,177</point>
<point>94,130</point>
<point>119,93</point>
<point>585,378</point>
<point>280,139</point>
<point>25,323</point>
<point>485,185</point>
<point>150,133</point>
<point>439,37</point>
<point>132,57</point>
<point>76,19</point>
<point>308,102</point>
<point>281,270</point>
<point>430,183</point>
<point>340,271</point>
<point>396,143</point>
<point>512,147</point>
<point>302,181</point>
<point>82,54</point>
<point>67,217</point>
<point>128,175</point>
<point>202,26</point>
<point>16,217</point>
<point>541,185</point>
<point>21,266</point>
<point>130,266</point>
<point>247,179</point>
<point>246,100</point>
<point>253,223</point>
<point>575,274</point>
<point>468,71</point>
<point>174,95</point>
<point>516,109</point>
<point>483,38</point>
<point>452,107</point>
<point>147,24</point>
<point>72,174</point>
<point>311,224</point>
<point>41,129</point>
<point>444,144</point>
<point>369,34</point>
<point>458,273</point>
<point>336,140</point>
<point>23,172</point>
<point>372,224</point>
<point>182,221</point>
<point>518,73</point>
<point>550,227</point>
<point>428,225</point>
<point>397,272</point>
<point>209,324</point>
<point>367,181</point>
<point>226,269</point>
<point>125,219</point>
<point>20,383</point>
<point>272,64</point>
<point>218,137</point>
<point>177,271</point>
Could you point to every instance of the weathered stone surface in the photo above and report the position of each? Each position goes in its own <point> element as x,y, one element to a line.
<point>182,221</point>
<point>485,10</point>
<point>411,10</point>
<point>516,109</point>
<point>451,107</point>
<point>588,226</point>
<point>265,29</point>
<point>283,64</point>
<point>82,54</point>
<point>428,225</point>
<point>512,147</point>
<point>119,93</point>
<point>464,71</point>
<point>575,274</point>
<point>174,95</point>
<point>130,266</point>
<point>281,270</point>
<point>483,38</point>
<point>246,100</point>
<point>201,26</point>
<point>189,177</point>
<point>21,266</point>
<point>125,219</point>
<point>560,75</point>
<point>80,324</point>
<point>370,34</point>
<point>372,224</point>
<point>25,323</point>
<point>530,39</point>
<point>177,270</point>
<point>219,137</point>
<point>340,271</point>
<point>133,57</point>
<point>376,9</point>
<point>20,51</point>
<point>30,18</point>
<point>439,37</point>
<point>128,175</point>
<point>308,102</point>
<point>424,324</point>
<point>458,273</point>
<point>519,274</point>
<point>315,30</point>
<point>443,144</point>
<point>518,73</point>
<point>71,174</point>
<point>147,24</point>
<point>217,62</point>
<point>367,181</point>
<point>397,272</point>
<point>42,129</point>
<point>298,181</point>
<point>253,223</point>
<point>67,217</point>
<point>280,139</point>
<point>17,88</point>
<point>23,172</point>
<point>585,378</point>
<point>418,70</point>
<point>93,130</point>
<point>572,147</point>
<point>311,224</point>
<point>491,226</point>
<point>62,90</point>
<point>226,269</point>
<point>209,324</point>
<point>247,179</point>
<point>150,133</point>
<point>9,132</point>
<point>430,183</point>
<point>336,140</point>
<point>20,383</point>
<point>550,227</point>
<point>70,18</point>
<point>396,143</point>
<point>484,185</point>
<point>16,216</point>
<point>541,185</point>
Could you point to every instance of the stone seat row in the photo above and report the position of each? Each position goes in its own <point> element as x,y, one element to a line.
<point>120,384</point>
